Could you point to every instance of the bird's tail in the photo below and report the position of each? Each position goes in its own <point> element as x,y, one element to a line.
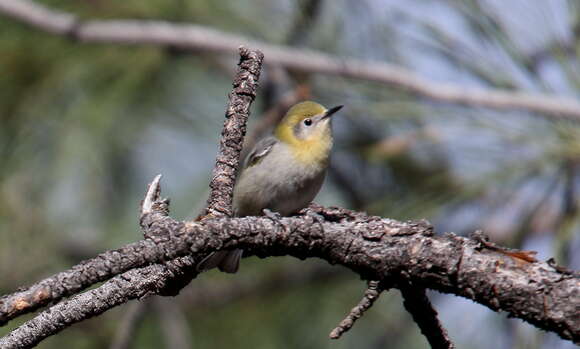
<point>226,261</point>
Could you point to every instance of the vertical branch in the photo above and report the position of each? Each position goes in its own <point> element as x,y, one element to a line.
<point>243,94</point>
<point>163,279</point>
<point>219,203</point>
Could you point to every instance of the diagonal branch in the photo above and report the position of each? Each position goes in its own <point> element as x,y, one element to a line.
<point>72,281</point>
<point>374,247</point>
<point>134,284</point>
<point>153,209</point>
<point>198,38</point>
<point>420,308</point>
<point>416,303</point>
<point>378,249</point>
<point>371,294</point>
<point>164,279</point>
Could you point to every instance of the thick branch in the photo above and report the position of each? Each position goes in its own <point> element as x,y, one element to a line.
<point>377,249</point>
<point>196,38</point>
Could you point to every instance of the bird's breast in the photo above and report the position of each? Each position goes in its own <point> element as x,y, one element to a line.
<point>312,152</point>
<point>278,182</point>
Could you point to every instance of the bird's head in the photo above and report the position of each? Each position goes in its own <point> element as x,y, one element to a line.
<point>306,122</point>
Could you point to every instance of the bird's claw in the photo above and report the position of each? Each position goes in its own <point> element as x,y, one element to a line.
<point>274,217</point>
<point>318,218</point>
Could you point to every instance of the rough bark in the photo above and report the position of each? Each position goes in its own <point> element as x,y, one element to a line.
<point>70,282</point>
<point>162,279</point>
<point>82,276</point>
<point>222,183</point>
<point>375,248</point>
<point>382,250</point>
<point>134,284</point>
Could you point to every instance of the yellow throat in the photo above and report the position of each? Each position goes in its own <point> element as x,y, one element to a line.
<point>314,149</point>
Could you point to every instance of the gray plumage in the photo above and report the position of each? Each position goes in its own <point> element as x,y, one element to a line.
<point>281,176</point>
<point>275,183</point>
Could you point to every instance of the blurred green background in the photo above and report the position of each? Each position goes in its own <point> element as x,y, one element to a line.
<point>84,128</point>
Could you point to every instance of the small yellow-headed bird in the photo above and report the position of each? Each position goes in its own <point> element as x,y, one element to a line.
<point>283,173</point>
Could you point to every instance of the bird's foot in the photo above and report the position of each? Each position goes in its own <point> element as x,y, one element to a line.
<point>318,218</point>
<point>274,217</point>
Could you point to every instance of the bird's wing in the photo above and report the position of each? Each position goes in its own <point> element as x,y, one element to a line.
<point>261,149</point>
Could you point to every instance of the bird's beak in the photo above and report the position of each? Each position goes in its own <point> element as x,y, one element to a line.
<point>331,111</point>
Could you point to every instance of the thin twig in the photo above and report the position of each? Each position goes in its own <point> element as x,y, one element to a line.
<point>371,294</point>
<point>418,305</point>
<point>198,38</point>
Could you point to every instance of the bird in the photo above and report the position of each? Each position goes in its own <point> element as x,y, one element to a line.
<point>283,172</point>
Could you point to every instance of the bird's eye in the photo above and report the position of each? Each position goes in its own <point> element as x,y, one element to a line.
<point>307,122</point>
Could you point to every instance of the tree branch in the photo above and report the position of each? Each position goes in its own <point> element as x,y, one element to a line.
<point>371,294</point>
<point>379,249</point>
<point>375,248</point>
<point>82,276</point>
<point>420,308</point>
<point>70,282</point>
<point>165,279</point>
<point>196,38</point>
<point>223,180</point>
<point>219,203</point>
<point>134,284</point>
